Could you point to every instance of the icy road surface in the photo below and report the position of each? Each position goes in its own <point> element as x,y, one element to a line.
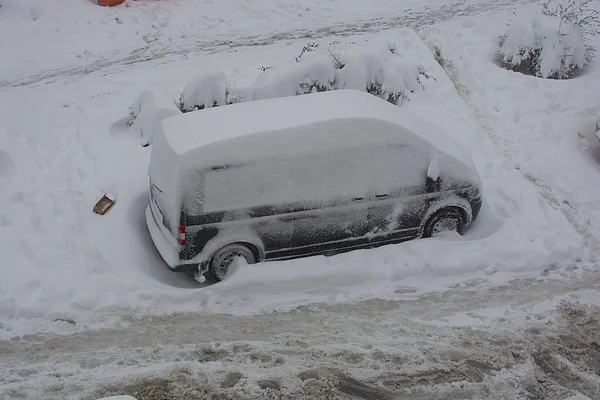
<point>465,343</point>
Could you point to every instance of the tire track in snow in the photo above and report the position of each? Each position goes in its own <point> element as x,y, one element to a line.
<point>401,345</point>
<point>414,19</point>
<point>484,119</point>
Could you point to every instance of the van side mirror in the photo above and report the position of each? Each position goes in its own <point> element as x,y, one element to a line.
<point>433,180</point>
<point>433,185</point>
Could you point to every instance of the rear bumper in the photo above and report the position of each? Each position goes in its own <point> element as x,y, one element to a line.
<point>165,244</point>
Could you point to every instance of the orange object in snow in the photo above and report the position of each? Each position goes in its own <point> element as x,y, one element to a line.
<point>109,3</point>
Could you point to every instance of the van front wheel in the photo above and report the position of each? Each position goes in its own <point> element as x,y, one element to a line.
<point>222,260</point>
<point>447,219</point>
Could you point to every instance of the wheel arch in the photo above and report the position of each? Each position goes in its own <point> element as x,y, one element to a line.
<point>244,237</point>
<point>259,253</point>
<point>454,202</point>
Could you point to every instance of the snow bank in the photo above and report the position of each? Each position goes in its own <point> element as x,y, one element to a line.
<point>379,68</point>
<point>544,46</point>
<point>148,110</point>
<point>205,91</point>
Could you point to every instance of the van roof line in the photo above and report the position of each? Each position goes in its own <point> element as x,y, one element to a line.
<point>187,132</point>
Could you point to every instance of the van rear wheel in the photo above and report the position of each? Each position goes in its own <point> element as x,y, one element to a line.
<point>222,260</point>
<point>449,219</point>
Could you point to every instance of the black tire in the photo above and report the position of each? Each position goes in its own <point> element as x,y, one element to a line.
<point>222,259</point>
<point>452,217</point>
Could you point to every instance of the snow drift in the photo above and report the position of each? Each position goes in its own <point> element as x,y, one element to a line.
<point>147,111</point>
<point>205,91</point>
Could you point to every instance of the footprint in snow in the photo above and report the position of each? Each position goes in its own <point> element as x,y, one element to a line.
<point>7,165</point>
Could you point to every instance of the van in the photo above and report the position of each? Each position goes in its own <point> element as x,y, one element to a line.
<point>299,176</point>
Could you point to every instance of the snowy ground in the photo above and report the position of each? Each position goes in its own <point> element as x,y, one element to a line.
<point>507,312</point>
<point>96,39</point>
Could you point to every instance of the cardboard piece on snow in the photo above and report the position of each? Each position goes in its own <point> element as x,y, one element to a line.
<point>108,3</point>
<point>103,205</point>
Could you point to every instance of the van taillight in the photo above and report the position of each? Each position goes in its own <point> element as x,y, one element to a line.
<point>181,238</point>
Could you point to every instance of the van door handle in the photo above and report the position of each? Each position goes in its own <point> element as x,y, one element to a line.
<point>297,217</point>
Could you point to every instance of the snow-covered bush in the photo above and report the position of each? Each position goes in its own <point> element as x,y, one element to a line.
<point>148,110</point>
<point>555,44</point>
<point>318,75</point>
<point>389,77</point>
<point>382,72</point>
<point>205,91</point>
<point>579,14</point>
<point>543,46</point>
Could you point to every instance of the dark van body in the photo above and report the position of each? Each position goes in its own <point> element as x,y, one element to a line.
<point>348,190</point>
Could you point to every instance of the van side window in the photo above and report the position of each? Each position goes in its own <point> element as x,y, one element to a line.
<point>329,176</point>
<point>316,178</point>
<point>355,173</point>
<point>250,185</point>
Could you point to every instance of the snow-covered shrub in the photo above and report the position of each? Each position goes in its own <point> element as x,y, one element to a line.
<point>205,91</point>
<point>387,76</point>
<point>556,44</point>
<point>148,110</point>
<point>316,75</point>
<point>383,73</point>
<point>579,14</point>
<point>543,46</point>
<point>308,48</point>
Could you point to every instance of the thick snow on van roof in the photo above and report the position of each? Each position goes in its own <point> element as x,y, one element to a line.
<point>188,132</point>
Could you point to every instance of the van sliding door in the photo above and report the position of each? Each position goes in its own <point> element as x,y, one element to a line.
<point>333,210</point>
<point>397,206</point>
